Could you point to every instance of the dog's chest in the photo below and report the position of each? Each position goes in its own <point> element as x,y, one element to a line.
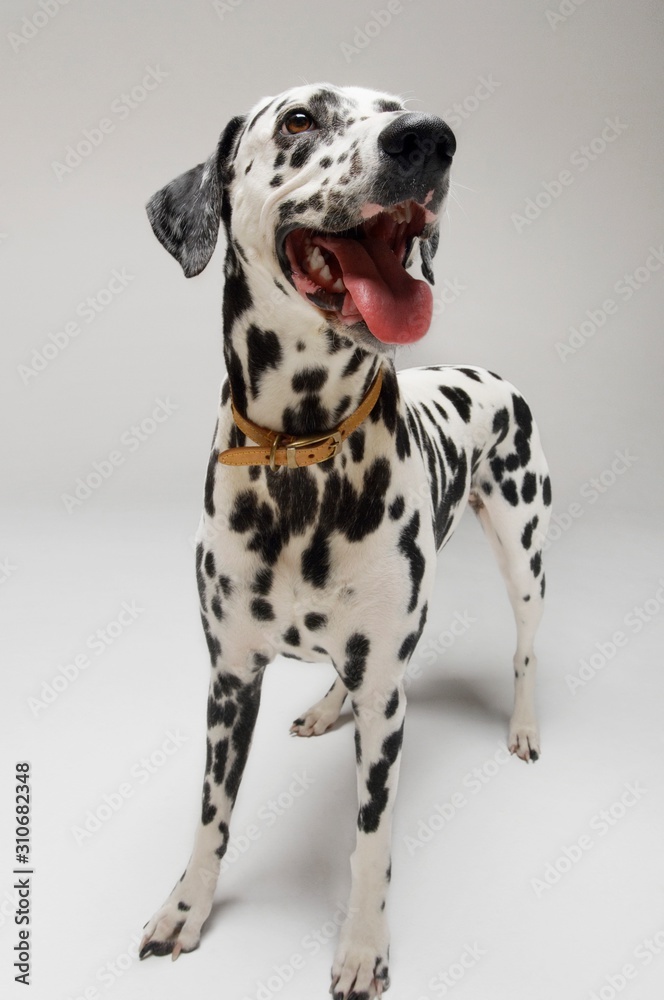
<point>312,553</point>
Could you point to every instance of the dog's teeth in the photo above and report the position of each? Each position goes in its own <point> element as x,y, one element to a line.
<point>315,259</point>
<point>325,273</point>
<point>408,211</point>
<point>338,286</point>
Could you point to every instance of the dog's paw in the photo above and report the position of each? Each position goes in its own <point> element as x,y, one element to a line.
<point>360,975</point>
<point>174,929</point>
<point>316,721</point>
<point>524,741</point>
<point>360,969</point>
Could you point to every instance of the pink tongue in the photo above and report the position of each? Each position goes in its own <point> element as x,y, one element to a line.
<point>396,307</point>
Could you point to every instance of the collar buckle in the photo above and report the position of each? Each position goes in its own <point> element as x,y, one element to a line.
<point>333,439</point>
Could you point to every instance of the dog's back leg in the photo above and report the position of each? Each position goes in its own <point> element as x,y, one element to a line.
<point>513,508</point>
<point>321,716</point>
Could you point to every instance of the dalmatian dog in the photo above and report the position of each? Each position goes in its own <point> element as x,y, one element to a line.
<point>333,481</point>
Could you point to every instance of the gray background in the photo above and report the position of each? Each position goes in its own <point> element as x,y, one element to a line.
<point>507,294</point>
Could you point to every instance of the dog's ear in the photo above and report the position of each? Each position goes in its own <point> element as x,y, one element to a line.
<point>185,214</point>
<point>427,253</point>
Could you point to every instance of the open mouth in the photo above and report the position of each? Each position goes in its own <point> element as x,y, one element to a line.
<point>359,275</point>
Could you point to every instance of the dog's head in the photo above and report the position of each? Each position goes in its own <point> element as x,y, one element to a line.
<point>330,189</point>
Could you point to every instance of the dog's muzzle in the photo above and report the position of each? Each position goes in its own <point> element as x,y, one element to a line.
<point>356,273</point>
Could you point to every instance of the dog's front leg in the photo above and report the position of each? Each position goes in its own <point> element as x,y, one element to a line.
<point>232,709</point>
<point>361,963</point>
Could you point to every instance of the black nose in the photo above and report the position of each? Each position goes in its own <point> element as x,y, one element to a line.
<point>418,142</point>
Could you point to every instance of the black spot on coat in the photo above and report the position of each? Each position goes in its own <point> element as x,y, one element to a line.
<point>527,535</point>
<point>209,811</point>
<point>220,761</point>
<point>459,399</point>
<point>242,731</point>
<point>302,152</point>
<point>397,508</point>
<point>371,812</point>
<point>263,581</point>
<point>315,561</point>
<point>262,610</point>
<point>292,636</point>
<point>529,487</point>
<point>213,644</point>
<point>200,579</point>
<point>237,297</point>
<point>416,563</point>
<point>223,830</point>
<point>501,424</point>
<point>236,376</point>
<point>264,352</point>
<point>213,463</point>
<point>510,492</point>
<point>309,379</point>
<point>392,704</point>
<point>356,444</point>
<point>315,621</point>
<point>402,440</point>
<point>357,651</point>
<point>410,642</point>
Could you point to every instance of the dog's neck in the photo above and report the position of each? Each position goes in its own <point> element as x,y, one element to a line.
<point>288,371</point>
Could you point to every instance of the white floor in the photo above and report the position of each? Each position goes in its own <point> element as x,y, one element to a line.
<point>476,836</point>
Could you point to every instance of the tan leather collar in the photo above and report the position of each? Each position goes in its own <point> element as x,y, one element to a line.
<point>276,449</point>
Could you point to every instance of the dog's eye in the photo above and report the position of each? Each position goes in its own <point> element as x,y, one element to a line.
<point>297,122</point>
